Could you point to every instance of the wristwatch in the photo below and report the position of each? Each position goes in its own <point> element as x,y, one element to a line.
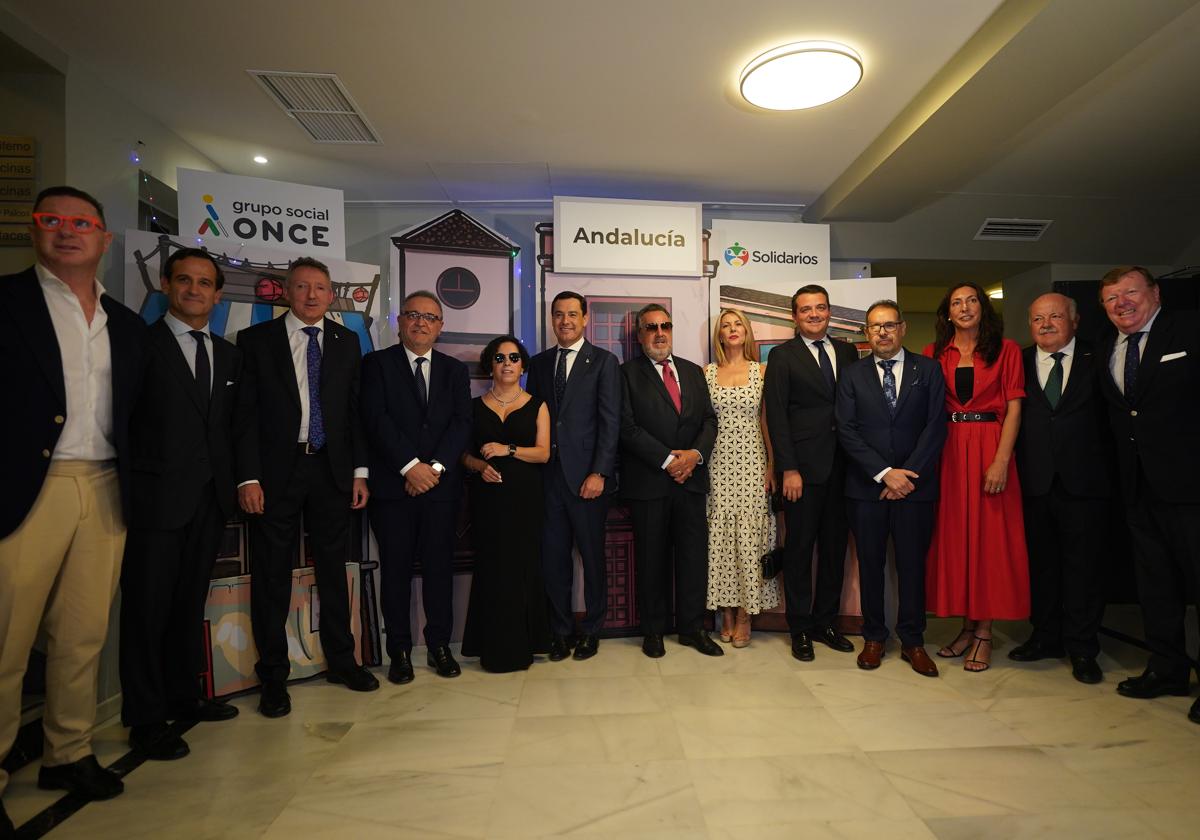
<point>437,468</point>
<point>512,449</point>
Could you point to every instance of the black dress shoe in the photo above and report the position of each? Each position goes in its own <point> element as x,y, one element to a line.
<point>1194,714</point>
<point>1033,650</point>
<point>701,642</point>
<point>652,646</point>
<point>274,702</point>
<point>85,778</point>
<point>802,647</point>
<point>202,710</point>
<point>587,647</point>
<point>559,649</point>
<point>835,640</point>
<point>442,660</point>
<point>1150,684</point>
<point>1085,669</point>
<point>157,742</point>
<point>7,829</point>
<point>401,670</point>
<point>354,677</point>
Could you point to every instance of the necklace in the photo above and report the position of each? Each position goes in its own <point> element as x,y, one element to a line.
<point>504,403</point>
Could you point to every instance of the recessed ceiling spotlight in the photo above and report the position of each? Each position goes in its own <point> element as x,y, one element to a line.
<point>260,159</point>
<point>801,75</point>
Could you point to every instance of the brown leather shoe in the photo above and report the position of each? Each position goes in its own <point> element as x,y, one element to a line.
<point>872,652</point>
<point>920,661</point>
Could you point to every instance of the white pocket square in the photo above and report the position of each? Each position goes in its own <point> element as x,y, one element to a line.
<point>1172,356</point>
<point>229,382</point>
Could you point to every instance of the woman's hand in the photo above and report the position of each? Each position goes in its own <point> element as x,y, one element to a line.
<point>493,450</point>
<point>491,475</point>
<point>995,478</point>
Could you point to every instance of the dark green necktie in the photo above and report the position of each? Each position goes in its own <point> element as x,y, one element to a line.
<point>1053,389</point>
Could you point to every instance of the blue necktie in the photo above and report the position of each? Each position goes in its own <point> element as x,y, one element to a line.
<point>316,422</point>
<point>1132,359</point>
<point>826,365</point>
<point>889,385</point>
<point>560,376</point>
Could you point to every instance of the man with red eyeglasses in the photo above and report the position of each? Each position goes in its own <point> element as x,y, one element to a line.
<point>70,361</point>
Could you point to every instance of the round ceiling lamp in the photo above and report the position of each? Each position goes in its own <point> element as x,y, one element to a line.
<point>801,75</point>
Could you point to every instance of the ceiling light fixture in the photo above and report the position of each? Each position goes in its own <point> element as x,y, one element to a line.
<point>260,159</point>
<point>801,75</point>
<point>996,294</point>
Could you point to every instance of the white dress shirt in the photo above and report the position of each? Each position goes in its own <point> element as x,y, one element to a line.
<point>187,343</point>
<point>898,373</point>
<point>572,355</point>
<point>425,369</point>
<point>87,433</point>
<point>1117,363</point>
<point>1045,363</point>
<point>827,347</point>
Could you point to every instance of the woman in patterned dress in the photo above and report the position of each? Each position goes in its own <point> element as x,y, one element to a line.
<point>741,527</point>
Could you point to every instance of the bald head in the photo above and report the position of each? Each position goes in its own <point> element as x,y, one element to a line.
<point>1053,320</point>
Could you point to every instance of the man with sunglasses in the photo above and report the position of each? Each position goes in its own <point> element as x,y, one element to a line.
<point>71,361</point>
<point>300,453</point>
<point>416,404</point>
<point>668,427</point>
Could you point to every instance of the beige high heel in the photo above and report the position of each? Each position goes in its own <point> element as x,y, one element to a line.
<point>741,630</point>
<point>726,635</point>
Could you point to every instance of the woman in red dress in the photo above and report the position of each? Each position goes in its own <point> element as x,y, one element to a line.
<point>977,565</point>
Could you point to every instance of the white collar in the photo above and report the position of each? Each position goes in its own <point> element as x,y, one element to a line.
<point>50,280</point>
<point>1145,327</point>
<point>294,324</point>
<point>898,358</point>
<point>574,348</point>
<point>179,328</point>
<point>1067,349</point>
<point>412,357</point>
<point>811,341</point>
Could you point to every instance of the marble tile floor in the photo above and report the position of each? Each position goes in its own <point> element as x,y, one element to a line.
<point>750,745</point>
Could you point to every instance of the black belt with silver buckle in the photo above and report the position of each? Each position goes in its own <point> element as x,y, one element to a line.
<point>972,417</point>
<point>306,448</point>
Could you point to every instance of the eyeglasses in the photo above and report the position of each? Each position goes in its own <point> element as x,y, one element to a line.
<point>414,316</point>
<point>886,326</point>
<point>512,357</point>
<point>78,224</point>
<point>665,326</point>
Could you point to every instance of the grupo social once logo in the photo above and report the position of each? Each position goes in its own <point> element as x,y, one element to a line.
<point>212,225</point>
<point>736,255</point>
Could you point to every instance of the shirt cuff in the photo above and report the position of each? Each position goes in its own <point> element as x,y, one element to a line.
<point>879,475</point>
<point>404,470</point>
<point>699,455</point>
<point>362,472</point>
<point>667,463</point>
<point>244,483</point>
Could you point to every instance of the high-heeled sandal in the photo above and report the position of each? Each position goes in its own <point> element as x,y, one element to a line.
<point>727,627</point>
<point>741,630</point>
<point>952,650</point>
<point>974,659</point>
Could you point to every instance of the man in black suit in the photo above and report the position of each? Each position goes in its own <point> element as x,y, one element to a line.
<point>183,493</point>
<point>1152,386</point>
<point>71,363</point>
<point>417,410</point>
<point>891,421</point>
<point>800,390</point>
<point>300,452</point>
<point>582,385</point>
<point>1062,457</point>
<point>668,427</point>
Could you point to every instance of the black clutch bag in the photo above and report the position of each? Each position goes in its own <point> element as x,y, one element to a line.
<point>772,563</point>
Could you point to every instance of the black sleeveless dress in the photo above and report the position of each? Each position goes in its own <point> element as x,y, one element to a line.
<point>506,615</point>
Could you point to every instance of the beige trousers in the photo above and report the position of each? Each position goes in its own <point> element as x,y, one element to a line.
<point>59,572</point>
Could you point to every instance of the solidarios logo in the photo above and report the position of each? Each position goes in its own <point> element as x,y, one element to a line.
<point>736,256</point>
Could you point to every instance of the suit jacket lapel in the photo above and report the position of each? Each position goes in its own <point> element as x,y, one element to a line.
<point>282,350</point>
<point>172,353</point>
<point>222,373</point>
<point>1033,387</point>
<point>38,330</point>
<point>656,382</point>
<point>1081,369</point>
<point>579,369</point>
<point>911,376</point>
<point>1152,351</point>
<point>811,367</point>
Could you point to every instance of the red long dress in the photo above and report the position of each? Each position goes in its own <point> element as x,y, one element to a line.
<point>978,566</point>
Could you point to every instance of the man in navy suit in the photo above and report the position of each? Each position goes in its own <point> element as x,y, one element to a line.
<point>892,424</point>
<point>1063,458</point>
<point>416,406</point>
<point>1153,391</point>
<point>582,385</point>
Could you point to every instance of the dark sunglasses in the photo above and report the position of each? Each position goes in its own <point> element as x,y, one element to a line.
<point>78,224</point>
<point>665,326</point>
<point>512,357</point>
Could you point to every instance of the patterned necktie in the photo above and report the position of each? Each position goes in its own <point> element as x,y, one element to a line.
<point>826,365</point>
<point>316,420</point>
<point>889,385</point>
<point>1054,381</point>
<point>560,376</point>
<point>1132,359</point>
<point>203,376</point>
<point>672,385</point>
<point>422,391</point>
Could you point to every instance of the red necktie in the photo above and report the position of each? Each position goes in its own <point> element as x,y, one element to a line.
<point>672,385</point>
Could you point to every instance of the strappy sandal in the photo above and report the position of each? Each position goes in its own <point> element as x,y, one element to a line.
<point>741,630</point>
<point>974,659</point>
<point>952,650</point>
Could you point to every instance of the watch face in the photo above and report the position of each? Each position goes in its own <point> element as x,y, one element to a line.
<point>438,468</point>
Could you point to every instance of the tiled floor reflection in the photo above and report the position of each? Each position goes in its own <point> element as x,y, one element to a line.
<point>751,745</point>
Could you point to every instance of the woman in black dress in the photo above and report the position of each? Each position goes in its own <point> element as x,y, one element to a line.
<point>506,616</point>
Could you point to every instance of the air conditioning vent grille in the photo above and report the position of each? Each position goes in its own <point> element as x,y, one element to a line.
<point>1013,230</point>
<point>320,104</point>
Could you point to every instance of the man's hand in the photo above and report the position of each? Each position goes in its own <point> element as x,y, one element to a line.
<point>890,495</point>
<point>899,481</point>
<point>491,475</point>
<point>793,485</point>
<point>592,486</point>
<point>250,497</point>
<point>683,464</point>
<point>769,480</point>
<point>359,494</point>
<point>420,479</point>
